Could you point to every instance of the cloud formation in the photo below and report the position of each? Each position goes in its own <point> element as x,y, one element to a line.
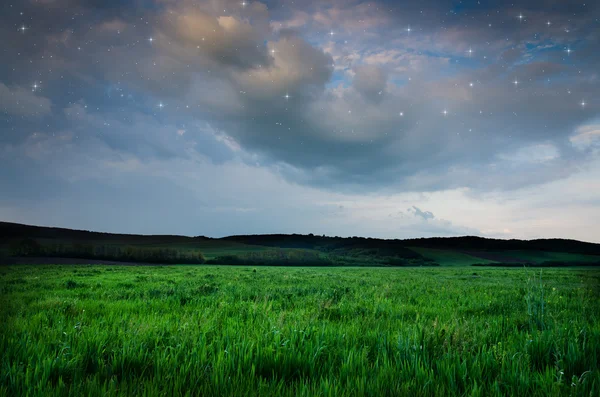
<point>23,102</point>
<point>336,97</point>
<point>425,215</point>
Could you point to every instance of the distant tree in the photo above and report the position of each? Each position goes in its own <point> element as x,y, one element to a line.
<point>26,247</point>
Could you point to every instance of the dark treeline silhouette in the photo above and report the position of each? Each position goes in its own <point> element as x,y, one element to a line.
<point>298,257</point>
<point>331,250</point>
<point>488,244</point>
<point>31,248</point>
<point>354,246</point>
<point>274,257</point>
<point>11,231</point>
<point>398,247</point>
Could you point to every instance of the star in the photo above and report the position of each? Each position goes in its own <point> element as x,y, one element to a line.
<point>331,33</point>
<point>161,105</point>
<point>401,114</point>
<point>548,23</point>
<point>287,96</point>
<point>568,51</point>
<point>582,104</point>
<point>408,29</point>
<point>445,112</point>
<point>516,82</point>
<point>244,4</point>
<point>521,17</point>
<point>150,40</point>
<point>470,51</point>
<point>23,28</point>
<point>471,84</point>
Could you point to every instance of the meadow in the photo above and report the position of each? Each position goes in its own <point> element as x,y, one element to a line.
<point>225,330</point>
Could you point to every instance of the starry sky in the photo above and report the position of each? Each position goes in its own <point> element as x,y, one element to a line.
<point>388,118</point>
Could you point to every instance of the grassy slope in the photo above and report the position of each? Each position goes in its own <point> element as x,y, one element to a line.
<point>100,330</point>
<point>449,257</point>
<point>543,256</point>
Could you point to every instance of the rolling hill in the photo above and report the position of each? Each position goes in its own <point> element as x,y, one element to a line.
<point>293,249</point>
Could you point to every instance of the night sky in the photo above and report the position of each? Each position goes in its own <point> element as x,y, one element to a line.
<point>387,119</point>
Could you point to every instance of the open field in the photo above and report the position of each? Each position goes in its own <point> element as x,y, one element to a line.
<point>220,330</point>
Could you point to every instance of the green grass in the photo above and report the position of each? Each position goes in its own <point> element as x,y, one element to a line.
<point>448,257</point>
<point>228,331</point>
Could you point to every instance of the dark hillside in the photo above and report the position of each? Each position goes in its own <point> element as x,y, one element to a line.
<point>24,240</point>
<point>339,245</point>
<point>488,244</point>
<point>10,231</point>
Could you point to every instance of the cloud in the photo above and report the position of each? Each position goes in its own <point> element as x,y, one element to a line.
<point>297,20</point>
<point>327,108</point>
<point>223,39</point>
<point>537,153</point>
<point>370,81</point>
<point>296,66</point>
<point>147,137</point>
<point>586,136</point>
<point>425,215</point>
<point>23,102</point>
<point>321,98</point>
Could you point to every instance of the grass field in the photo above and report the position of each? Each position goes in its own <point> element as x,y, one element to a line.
<point>218,330</point>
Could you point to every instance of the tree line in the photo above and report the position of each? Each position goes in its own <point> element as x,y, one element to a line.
<point>31,248</point>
